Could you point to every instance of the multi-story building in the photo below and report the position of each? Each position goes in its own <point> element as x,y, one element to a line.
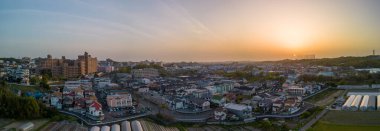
<point>18,74</point>
<point>295,90</point>
<point>119,100</point>
<point>66,68</point>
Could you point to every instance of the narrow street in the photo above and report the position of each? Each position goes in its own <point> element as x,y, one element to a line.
<point>313,121</point>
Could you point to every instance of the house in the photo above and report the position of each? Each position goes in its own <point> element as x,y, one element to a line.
<point>80,104</point>
<point>89,93</point>
<point>243,111</point>
<point>66,91</point>
<point>211,89</point>
<point>72,84</point>
<point>292,104</point>
<point>78,92</point>
<point>201,93</point>
<point>230,97</point>
<point>255,101</point>
<point>95,111</point>
<point>220,114</point>
<point>55,100</point>
<point>68,101</point>
<point>224,87</point>
<point>265,105</point>
<point>176,103</point>
<point>198,104</point>
<point>101,82</point>
<point>277,106</point>
<point>143,90</point>
<point>244,90</point>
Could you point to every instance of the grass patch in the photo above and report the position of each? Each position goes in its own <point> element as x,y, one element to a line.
<point>24,88</point>
<point>323,126</point>
<point>326,97</point>
<point>348,121</point>
<point>44,125</point>
<point>352,118</point>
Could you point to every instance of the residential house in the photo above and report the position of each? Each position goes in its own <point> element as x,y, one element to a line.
<point>72,84</point>
<point>79,104</point>
<point>101,82</point>
<point>224,87</point>
<point>55,100</point>
<point>277,106</point>
<point>143,90</point>
<point>220,114</point>
<point>89,93</point>
<point>244,90</point>
<point>95,111</point>
<point>68,101</point>
<point>201,93</point>
<point>243,111</point>
<point>176,103</point>
<point>78,92</point>
<point>255,101</point>
<point>292,104</point>
<point>198,104</point>
<point>265,105</point>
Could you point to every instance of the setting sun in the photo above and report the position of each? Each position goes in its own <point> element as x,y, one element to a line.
<point>292,35</point>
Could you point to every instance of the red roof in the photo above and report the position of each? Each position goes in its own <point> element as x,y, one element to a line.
<point>97,105</point>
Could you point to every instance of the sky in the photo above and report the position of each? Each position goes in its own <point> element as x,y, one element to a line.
<point>189,30</point>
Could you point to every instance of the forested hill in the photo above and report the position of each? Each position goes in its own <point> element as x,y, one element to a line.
<point>357,62</point>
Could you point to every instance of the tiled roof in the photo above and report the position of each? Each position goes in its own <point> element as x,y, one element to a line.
<point>96,105</point>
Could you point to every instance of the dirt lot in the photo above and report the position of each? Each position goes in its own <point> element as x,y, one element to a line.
<point>16,124</point>
<point>329,99</point>
<point>326,97</point>
<point>64,126</point>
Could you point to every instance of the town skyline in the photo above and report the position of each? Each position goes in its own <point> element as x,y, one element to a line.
<point>165,30</point>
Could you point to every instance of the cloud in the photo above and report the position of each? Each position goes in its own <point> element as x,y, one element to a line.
<point>110,26</point>
<point>196,25</point>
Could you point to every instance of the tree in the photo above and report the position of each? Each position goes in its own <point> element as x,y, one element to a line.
<point>44,83</point>
<point>125,69</point>
<point>3,83</point>
<point>17,107</point>
<point>34,80</point>
<point>162,106</point>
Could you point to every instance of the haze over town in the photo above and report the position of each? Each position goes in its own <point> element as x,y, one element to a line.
<point>169,30</point>
<point>190,65</point>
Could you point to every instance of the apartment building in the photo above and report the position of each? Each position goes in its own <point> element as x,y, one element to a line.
<point>66,68</point>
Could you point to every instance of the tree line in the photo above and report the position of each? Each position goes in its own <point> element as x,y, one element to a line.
<point>18,107</point>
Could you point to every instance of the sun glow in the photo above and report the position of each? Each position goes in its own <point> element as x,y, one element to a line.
<point>293,38</point>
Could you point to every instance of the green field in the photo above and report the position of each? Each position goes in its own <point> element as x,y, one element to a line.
<point>24,88</point>
<point>348,121</point>
<point>321,126</point>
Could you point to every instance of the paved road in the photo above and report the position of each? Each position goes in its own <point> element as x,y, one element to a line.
<point>90,122</point>
<point>311,123</point>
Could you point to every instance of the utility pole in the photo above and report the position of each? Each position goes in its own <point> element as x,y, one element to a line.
<point>373,52</point>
